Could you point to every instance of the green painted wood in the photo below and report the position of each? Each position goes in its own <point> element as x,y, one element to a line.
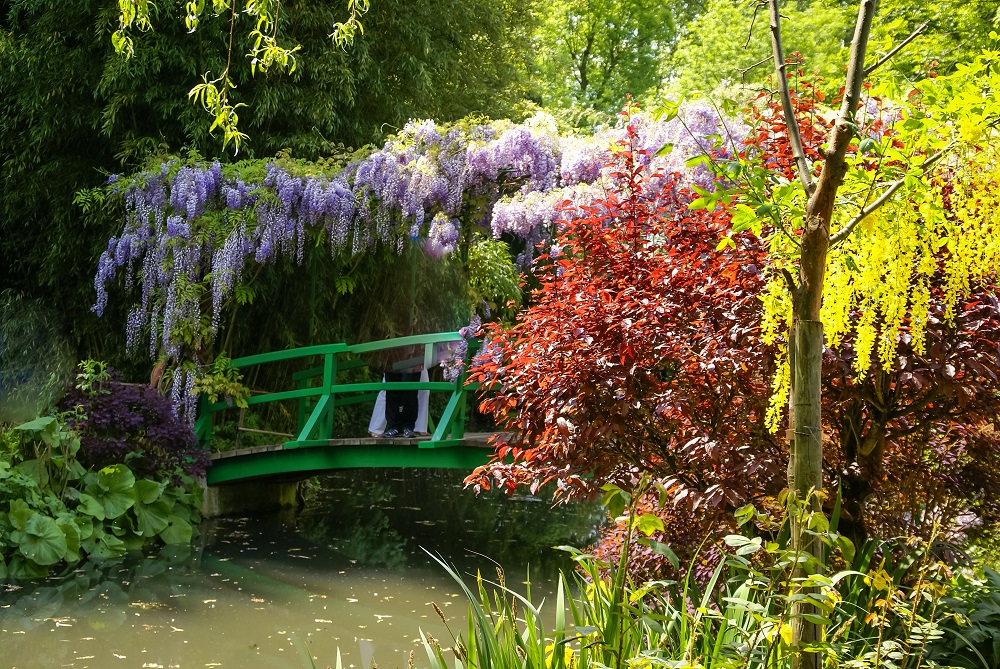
<point>313,372</point>
<point>318,393</point>
<point>446,417</point>
<point>307,461</point>
<point>289,354</point>
<point>357,399</point>
<point>329,379</point>
<point>307,374</point>
<point>303,413</point>
<point>305,443</point>
<point>203,424</point>
<point>391,385</point>
<point>314,418</point>
<point>273,397</point>
<point>408,363</point>
<point>353,363</point>
<point>345,388</point>
<point>413,340</point>
<point>443,443</point>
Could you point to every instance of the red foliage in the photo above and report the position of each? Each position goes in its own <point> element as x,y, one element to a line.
<point>641,350</point>
<point>769,138</point>
<point>914,443</point>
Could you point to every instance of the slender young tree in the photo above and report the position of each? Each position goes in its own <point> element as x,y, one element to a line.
<point>829,215</point>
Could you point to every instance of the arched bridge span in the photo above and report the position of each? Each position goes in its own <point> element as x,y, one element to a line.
<point>316,393</point>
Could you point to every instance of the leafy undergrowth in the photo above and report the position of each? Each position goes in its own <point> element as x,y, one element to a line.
<point>108,476</point>
<point>897,605</point>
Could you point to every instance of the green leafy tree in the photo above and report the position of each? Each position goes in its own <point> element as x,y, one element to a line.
<point>728,45</point>
<point>954,31</point>
<point>591,53</point>
<point>73,111</point>
<point>891,199</point>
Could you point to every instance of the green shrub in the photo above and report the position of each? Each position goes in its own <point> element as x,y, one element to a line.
<point>53,511</point>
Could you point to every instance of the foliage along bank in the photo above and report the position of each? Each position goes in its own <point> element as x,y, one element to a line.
<point>112,471</point>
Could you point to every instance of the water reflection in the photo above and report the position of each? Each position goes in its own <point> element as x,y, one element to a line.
<point>347,572</point>
<point>382,518</point>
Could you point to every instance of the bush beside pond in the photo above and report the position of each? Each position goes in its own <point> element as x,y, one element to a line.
<point>113,471</point>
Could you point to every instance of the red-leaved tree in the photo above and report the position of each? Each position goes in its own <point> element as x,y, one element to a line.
<point>640,351</point>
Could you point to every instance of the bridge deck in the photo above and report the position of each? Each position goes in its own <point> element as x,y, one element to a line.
<point>299,459</point>
<point>480,439</point>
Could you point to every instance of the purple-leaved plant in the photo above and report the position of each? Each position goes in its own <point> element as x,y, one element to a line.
<point>133,424</point>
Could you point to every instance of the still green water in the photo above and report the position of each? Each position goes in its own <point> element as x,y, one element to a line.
<point>348,572</point>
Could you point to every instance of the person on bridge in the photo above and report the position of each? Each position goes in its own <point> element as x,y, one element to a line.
<point>402,406</point>
<point>386,405</point>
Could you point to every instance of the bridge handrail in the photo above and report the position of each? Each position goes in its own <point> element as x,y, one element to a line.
<point>287,354</point>
<point>315,391</point>
<point>399,342</point>
<point>319,417</point>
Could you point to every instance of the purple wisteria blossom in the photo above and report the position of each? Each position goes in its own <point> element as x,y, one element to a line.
<point>192,230</point>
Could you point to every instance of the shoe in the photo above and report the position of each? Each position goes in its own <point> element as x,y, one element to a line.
<point>408,433</point>
<point>390,433</point>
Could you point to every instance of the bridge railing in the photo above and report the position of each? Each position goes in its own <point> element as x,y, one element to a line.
<point>318,392</point>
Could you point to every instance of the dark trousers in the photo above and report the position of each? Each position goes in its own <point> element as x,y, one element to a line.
<point>401,405</point>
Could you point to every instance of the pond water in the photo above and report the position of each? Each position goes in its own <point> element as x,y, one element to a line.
<point>289,589</point>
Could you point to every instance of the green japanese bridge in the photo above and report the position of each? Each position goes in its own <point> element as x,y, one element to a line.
<point>316,394</point>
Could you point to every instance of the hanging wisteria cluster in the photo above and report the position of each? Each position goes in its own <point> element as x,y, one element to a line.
<point>191,230</point>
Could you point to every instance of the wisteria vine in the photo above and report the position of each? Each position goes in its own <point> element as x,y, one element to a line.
<point>191,230</point>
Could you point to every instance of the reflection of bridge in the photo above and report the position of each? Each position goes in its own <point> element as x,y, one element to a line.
<point>317,394</point>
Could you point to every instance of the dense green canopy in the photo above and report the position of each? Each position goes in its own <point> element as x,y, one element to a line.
<point>73,111</point>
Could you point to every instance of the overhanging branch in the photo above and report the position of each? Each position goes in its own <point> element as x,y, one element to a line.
<point>848,228</point>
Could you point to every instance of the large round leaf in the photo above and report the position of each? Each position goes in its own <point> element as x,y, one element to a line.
<point>113,489</point>
<point>42,541</point>
<point>105,546</point>
<point>90,506</point>
<point>146,491</point>
<point>152,518</point>
<point>86,526</point>
<point>20,513</point>
<point>116,478</point>
<point>71,531</point>
<point>178,531</point>
<point>19,566</point>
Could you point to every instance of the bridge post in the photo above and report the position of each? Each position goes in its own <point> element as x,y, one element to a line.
<point>329,381</point>
<point>203,425</point>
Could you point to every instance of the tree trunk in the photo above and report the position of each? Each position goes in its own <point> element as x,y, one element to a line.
<point>807,470</point>
<point>806,345</point>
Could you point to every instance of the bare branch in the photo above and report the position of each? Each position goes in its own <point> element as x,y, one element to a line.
<point>802,165</point>
<point>856,63</point>
<point>882,61</point>
<point>756,9</point>
<point>745,70</point>
<point>848,228</point>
